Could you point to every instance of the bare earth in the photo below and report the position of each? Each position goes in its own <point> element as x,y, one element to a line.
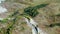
<point>44,17</point>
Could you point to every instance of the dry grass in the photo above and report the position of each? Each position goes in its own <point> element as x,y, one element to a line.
<point>44,17</point>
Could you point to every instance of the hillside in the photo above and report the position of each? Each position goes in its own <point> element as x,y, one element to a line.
<point>49,14</point>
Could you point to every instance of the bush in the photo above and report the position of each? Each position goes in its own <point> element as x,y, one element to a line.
<point>32,11</point>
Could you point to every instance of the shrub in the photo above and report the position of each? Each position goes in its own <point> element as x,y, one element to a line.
<point>32,11</point>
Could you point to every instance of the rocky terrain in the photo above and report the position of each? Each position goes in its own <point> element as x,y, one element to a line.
<point>47,15</point>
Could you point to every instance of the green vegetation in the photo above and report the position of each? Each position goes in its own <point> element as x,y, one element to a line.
<point>4,20</point>
<point>28,12</point>
<point>10,26</point>
<point>58,15</point>
<point>53,25</point>
<point>32,11</point>
<point>14,14</point>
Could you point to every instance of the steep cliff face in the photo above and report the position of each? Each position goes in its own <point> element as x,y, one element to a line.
<point>47,15</point>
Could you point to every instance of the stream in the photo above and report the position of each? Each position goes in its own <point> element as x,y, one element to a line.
<point>35,29</point>
<point>31,23</point>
